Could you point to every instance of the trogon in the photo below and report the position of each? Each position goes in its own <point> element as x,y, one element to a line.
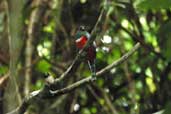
<point>82,37</point>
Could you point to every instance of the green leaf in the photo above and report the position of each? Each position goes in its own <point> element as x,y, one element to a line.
<point>39,84</point>
<point>43,66</point>
<point>168,109</point>
<point>100,82</point>
<point>49,28</point>
<point>94,110</point>
<point>154,4</point>
<point>151,85</point>
<point>3,70</point>
<point>102,102</point>
<point>85,111</point>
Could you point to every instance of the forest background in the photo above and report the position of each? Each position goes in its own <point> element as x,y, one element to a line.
<point>42,72</point>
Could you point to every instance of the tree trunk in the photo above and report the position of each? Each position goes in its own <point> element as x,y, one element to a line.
<point>12,96</point>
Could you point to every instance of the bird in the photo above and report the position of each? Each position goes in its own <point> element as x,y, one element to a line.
<point>82,36</point>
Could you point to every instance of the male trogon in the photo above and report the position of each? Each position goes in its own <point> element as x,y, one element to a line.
<point>82,36</point>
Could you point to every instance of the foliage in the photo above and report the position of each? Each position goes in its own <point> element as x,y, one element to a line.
<point>141,85</point>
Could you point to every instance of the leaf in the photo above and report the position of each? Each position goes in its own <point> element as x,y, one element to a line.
<point>43,66</point>
<point>49,28</point>
<point>3,70</point>
<point>39,85</point>
<point>154,4</point>
<point>100,82</point>
<point>151,85</point>
<point>94,110</point>
<point>85,111</point>
<point>167,109</point>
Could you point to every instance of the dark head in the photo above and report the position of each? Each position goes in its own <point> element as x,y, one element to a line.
<point>82,28</point>
<point>81,32</point>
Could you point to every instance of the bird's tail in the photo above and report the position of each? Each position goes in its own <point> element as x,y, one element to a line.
<point>92,66</point>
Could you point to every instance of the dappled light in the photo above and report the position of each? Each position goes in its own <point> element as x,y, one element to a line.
<point>85,56</point>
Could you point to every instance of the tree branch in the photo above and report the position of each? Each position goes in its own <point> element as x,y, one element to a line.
<point>47,93</point>
<point>34,28</point>
<point>146,46</point>
<point>98,74</point>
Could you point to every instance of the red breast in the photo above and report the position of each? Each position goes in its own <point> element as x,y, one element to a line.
<point>80,43</point>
